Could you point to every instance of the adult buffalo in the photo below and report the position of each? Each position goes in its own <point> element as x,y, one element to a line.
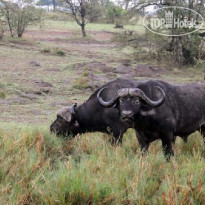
<point>159,110</point>
<point>91,116</point>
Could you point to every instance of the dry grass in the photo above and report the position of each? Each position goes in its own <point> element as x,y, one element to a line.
<point>39,168</point>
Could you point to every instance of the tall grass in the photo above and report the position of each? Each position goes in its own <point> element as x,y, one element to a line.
<point>39,168</point>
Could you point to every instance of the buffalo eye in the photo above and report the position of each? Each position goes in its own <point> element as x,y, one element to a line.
<point>60,119</point>
<point>136,102</point>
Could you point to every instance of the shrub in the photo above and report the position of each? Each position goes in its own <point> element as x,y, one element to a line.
<point>45,50</point>
<point>18,17</point>
<point>2,94</point>
<point>84,73</point>
<point>60,52</point>
<point>81,83</point>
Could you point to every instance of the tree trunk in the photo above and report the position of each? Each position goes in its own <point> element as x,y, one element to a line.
<point>190,6</point>
<point>20,35</point>
<point>126,4</point>
<point>54,5</point>
<point>83,29</point>
<point>10,29</point>
<point>82,13</point>
<point>8,20</point>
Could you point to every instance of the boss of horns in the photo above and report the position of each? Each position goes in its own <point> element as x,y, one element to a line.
<point>135,92</point>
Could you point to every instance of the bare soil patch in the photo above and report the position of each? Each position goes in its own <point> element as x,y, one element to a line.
<point>146,70</point>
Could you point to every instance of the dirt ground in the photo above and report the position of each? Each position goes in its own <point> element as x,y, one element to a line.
<point>50,68</point>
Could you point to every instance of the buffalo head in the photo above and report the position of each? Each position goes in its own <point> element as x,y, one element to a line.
<point>129,101</point>
<point>66,122</point>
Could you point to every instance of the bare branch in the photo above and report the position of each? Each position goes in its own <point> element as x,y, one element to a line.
<point>143,4</point>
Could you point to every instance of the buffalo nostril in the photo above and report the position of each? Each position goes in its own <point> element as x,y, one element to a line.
<point>127,113</point>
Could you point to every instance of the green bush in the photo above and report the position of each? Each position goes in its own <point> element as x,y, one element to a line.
<point>81,83</point>
<point>2,94</point>
<point>45,50</point>
<point>60,52</point>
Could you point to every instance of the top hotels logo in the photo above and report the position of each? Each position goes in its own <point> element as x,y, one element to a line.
<point>173,21</point>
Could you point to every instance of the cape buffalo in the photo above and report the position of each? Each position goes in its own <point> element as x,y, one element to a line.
<point>92,117</point>
<point>159,110</point>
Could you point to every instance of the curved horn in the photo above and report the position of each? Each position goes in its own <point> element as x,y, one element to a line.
<point>139,93</point>
<point>106,103</point>
<point>73,109</point>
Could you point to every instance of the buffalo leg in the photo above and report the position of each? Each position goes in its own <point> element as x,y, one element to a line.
<point>167,148</point>
<point>117,137</point>
<point>167,141</point>
<point>144,144</point>
<point>184,137</point>
<point>117,134</point>
<point>116,140</point>
<point>203,132</point>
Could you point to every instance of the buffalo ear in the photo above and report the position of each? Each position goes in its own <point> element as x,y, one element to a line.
<point>65,114</point>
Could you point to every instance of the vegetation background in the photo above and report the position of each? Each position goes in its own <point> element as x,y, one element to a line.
<point>51,65</point>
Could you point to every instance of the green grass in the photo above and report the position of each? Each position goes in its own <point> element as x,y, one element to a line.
<point>40,168</point>
<point>90,26</point>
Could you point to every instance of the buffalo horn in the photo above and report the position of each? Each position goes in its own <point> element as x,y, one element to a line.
<point>106,103</point>
<point>139,93</point>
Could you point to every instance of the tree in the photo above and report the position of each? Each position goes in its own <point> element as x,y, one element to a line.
<point>7,10</point>
<point>78,10</point>
<point>95,10</point>
<point>2,26</point>
<point>19,17</point>
<point>183,49</point>
<point>54,3</point>
<point>115,15</point>
<point>25,16</point>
